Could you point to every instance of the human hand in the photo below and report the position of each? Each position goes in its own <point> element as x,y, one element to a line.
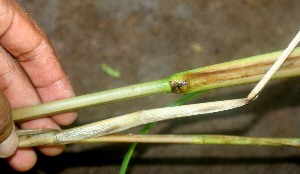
<point>8,137</point>
<point>30,74</point>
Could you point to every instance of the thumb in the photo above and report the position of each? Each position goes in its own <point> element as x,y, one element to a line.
<point>9,145</point>
<point>8,137</point>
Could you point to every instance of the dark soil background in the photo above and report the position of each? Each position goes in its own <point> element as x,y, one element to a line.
<point>148,40</point>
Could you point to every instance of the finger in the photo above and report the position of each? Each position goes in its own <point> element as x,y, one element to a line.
<point>8,137</point>
<point>23,160</point>
<point>14,82</point>
<point>20,92</point>
<point>33,49</point>
<point>9,145</point>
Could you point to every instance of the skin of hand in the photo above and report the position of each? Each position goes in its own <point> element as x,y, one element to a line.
<point>30,74</point>
<point>8,137</point>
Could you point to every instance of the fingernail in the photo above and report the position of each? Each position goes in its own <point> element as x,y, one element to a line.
<point>9,145</point>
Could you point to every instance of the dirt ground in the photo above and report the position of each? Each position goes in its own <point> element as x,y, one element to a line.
<point>149,40</point>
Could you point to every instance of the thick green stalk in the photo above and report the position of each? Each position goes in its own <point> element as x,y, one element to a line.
<point>227,74</point>
<point>89,100</point>
<point>238,72</point>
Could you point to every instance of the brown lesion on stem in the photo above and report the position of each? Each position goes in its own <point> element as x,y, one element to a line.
<point>178,87</point>
<point>235,74</point>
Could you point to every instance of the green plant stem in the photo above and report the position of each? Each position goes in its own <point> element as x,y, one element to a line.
<point>237,72</point>
<point>89,100</point>
<point>170,139</point>
<point>195,139</point>
<point>227,74</point>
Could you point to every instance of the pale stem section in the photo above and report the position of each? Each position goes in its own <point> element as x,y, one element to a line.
<point>195,139</point>
<point>117,124</point>
<point>184,139</point>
